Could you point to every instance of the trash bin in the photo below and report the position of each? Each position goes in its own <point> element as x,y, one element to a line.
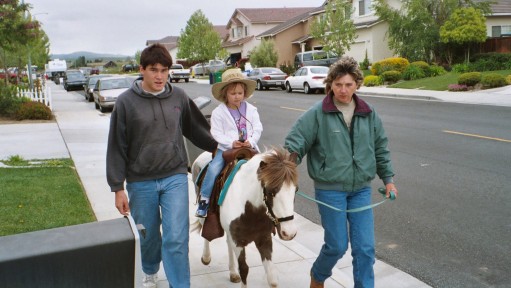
<point>218,77</point>
<point>211,78</point>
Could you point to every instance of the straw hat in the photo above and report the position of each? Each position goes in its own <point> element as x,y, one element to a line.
<point>232,76</point>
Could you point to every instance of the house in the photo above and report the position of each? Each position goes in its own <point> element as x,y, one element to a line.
<point>293,36</point>
<point>246,23</point>
<point>169,42</point>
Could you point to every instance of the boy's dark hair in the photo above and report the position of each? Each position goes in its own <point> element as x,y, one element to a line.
<point>155,54</point>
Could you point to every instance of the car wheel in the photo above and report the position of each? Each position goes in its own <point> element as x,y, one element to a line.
<point>288,88</point>
<point>259,86</point>
<point>90,98</point>
<point>306,88</point>
<point>96,105</point>
<point>283,87</point>
<point>187,80</point>
<point>102,109</point>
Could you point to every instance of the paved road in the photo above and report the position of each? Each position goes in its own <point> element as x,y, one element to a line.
<point>450,227</point>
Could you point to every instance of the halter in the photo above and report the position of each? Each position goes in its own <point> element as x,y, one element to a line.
<point>269,211</point>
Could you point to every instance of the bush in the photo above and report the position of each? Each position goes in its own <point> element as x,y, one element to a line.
<point>435,70</point>
<point>33,110</point>
<point>508,79</point>
<point>470,79</point>
<point>288,69</point>
<point>422,65</point>
<point>9,102</point>
<point>493,80</point>
<point>389,64</point>
<point>372,80</point>
<point>391,76</point>
<point>461,68</point>
<point>413,72</point>
<point>457,87</point>
<point>491,61</point>
<point>364,65</point>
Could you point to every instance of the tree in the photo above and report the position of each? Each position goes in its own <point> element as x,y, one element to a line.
<point>414,30</point>
<point>335,29</point>
<point>199,42</point>
<point>137,56</point>
<point>464,27</point>
<point>80,62</point>
<point>264,55</point>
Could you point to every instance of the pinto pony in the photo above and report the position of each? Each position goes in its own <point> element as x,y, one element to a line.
<point>259,200</point>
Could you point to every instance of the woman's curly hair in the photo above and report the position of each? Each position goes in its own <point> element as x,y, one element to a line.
<point>345,65</point>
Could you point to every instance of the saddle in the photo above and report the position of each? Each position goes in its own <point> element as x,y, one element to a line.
<point>212,228</point>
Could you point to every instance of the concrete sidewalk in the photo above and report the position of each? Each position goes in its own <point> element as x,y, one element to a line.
<point>80,132</point>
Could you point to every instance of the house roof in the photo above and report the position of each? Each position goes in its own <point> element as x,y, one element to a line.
<point>165,40</point>
<point>501,7</point>
<point>267,15</point>
<point>237,42</point>
<point>222,31</point>
<point>290,23</point>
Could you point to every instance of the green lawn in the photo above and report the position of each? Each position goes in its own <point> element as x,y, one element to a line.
<point>439,83</point>
<point>47,195</point>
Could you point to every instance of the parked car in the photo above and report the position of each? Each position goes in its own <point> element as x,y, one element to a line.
<point>308,79</point>
<point>74,79</point>
<point>206,68</point>
<point>267,77</point>
<point>177,72</point>
<point>315,58</point>
<point>88,87</point>
<point>108,89</point>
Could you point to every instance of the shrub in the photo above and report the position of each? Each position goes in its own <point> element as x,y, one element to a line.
<point>391,76</point>
<point>364,65</point>
<point>33,110</point>
<point>413,72</point>
<point>288,69</point>
<point>389,64</point>
<point>9,102</point>
<point>490,61</point>
<point>461,68</point>
<point>423,66</point>
<point>470,78</point>
<point>435,70</point>
<point>372,80</point>
<point>493,80</point>
<point>508,79</point>
<point>457,87</point>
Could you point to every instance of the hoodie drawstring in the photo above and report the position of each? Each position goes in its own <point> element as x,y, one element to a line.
<point>164,120</point>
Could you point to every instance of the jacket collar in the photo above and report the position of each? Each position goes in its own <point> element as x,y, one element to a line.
<point>361,107</point>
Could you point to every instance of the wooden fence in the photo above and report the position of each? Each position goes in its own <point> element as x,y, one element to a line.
<point>40,94</point>
<point>499,45</point>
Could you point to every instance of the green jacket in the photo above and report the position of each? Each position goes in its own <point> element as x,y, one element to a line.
<point>338,159</point>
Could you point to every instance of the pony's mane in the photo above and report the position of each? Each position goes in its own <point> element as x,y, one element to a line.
<point>279,169</point>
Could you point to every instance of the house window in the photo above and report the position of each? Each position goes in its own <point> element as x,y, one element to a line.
<point>246,31</point>
<point>364,7</point>
<point>501,31</point>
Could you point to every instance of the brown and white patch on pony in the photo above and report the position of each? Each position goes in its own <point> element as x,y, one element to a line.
<point>253,225</point>
<point>277,169</point>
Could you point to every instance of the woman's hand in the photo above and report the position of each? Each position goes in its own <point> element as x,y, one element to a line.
<point>390,187</point>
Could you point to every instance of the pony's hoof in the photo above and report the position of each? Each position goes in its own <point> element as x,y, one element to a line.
<point>235,278</point>
<point>205,261</point>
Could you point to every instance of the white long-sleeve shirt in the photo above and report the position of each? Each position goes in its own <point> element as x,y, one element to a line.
<point>225,131</point>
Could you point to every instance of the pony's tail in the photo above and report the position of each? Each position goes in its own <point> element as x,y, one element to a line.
<point>196,226</point>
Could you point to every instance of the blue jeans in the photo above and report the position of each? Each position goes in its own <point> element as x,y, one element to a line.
<point>360,231</point>
<point>170,196</point>
<point>215,167</point>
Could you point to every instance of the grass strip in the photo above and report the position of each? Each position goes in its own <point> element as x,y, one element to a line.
<point>38,198</point>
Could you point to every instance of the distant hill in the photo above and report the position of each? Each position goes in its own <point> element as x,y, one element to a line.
<point>89,56</point>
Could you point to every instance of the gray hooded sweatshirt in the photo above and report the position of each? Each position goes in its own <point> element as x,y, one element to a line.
<point>145,141</point>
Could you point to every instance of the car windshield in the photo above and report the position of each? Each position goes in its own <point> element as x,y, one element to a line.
<point>319,70</point>
<point>75,76</point>
<point>107,84</point>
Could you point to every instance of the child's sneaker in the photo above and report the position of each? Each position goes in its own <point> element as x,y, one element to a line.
<point>202,210</point>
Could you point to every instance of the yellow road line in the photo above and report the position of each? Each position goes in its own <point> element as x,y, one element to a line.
<point>295,109</point>
<point>477,136</point>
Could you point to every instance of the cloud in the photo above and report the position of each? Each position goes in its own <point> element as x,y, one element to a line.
<point>124,26</point>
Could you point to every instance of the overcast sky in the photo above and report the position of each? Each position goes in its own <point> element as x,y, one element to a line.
<point>123,26</point>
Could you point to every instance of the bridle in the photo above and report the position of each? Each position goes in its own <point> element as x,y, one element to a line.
<point>268,201</point>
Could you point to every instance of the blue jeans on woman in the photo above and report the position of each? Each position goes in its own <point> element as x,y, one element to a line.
<point>360,231</point>
<point>215,167</point>
<point>170,196</point>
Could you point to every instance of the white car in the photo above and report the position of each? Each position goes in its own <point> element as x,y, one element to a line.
<point>308,79</point>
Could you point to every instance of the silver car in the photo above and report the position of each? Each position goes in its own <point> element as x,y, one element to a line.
<point>267,77</point>
<point>108,89</point>
<point>308,79</point>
